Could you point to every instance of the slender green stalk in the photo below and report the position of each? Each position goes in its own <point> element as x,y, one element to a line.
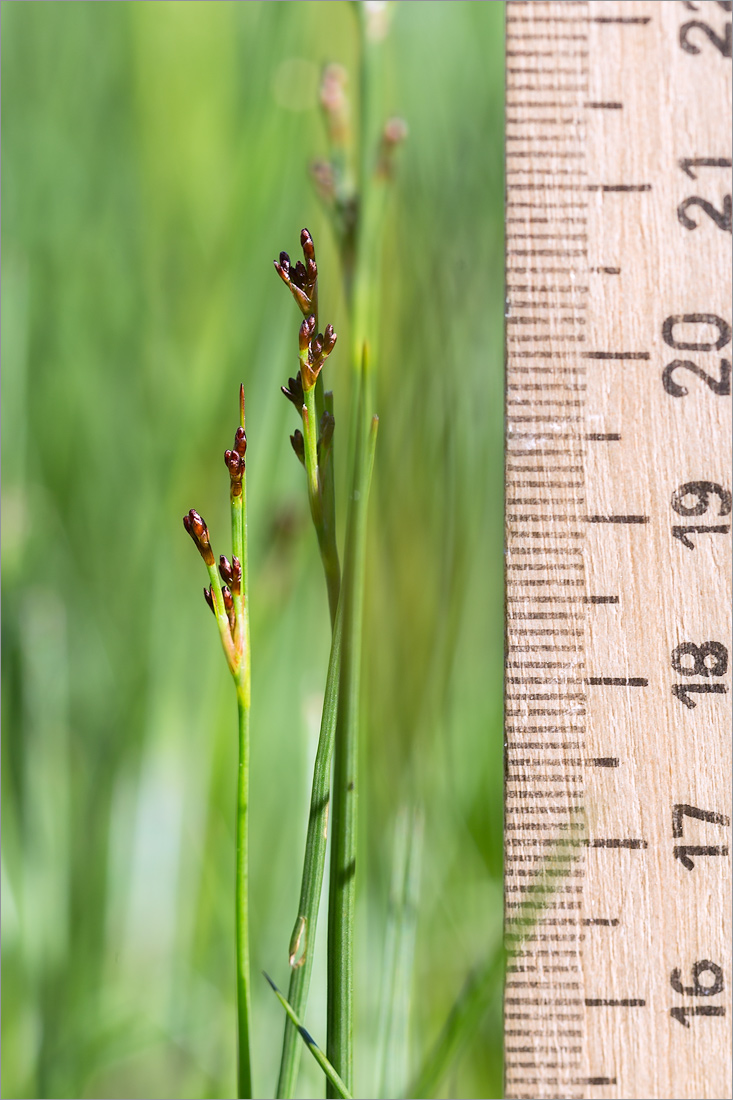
<point>342,886</point>
<point>302,942</point>
<point>230,606</point>
<point>311,457</point>
<point>361,284</point>
<point>244,1067</point>
<point>323,1062</point>
<point>243,680</point>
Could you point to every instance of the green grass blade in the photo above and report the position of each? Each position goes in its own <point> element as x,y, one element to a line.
<point>304,934</point>
<point>320,1057</point>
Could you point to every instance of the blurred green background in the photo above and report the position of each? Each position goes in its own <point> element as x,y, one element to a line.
<point>155,163</point>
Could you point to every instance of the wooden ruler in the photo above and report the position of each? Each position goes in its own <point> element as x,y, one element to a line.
<point>618,506</point>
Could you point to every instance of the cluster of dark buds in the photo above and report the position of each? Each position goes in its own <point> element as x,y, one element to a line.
<point>313,348</point>
<point>314,351</point>
<point>227,601</point>
<point>301,279</point>
<point>312,441</point>
<point>234,461</point>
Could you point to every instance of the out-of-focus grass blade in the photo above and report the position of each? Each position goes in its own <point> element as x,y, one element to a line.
<point>393,1044</point>
<point>312,1045</point>
<point>485,984</point>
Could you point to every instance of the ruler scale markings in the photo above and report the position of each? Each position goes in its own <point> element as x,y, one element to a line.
<point>568,167</point>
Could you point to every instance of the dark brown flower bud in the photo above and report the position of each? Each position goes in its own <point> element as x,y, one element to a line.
<point>302,278</point>
<point>306,332</point>
<point>294,391</point>
<point>229,607</point>
<point>306,243</point>
<point>240,442</point>
<point>299,275</point>
<point>199,532</point>
<point>235,465</point>
<point>298,444</point>
<point>236,582</point>
<point>225,570</point>
<point>329,340</point>
<point>209,600</point>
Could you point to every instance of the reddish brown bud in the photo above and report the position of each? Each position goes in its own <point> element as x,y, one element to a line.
<point>306,332</point>
<point>294,391</point>
<point>240,442</point>
<point>199,532</point>
<point>236,582</point>
<point>225,570</point>
<point>235,465</point>
<point>306,243</point>
<point>329,339</point>
<point>302,277</point>
<point>229,607</point>
<point>209,600</point>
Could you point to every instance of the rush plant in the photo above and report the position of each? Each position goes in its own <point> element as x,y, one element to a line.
<point>230,604</point>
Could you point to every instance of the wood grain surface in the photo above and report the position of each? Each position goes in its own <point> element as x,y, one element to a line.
<point>618,517</point>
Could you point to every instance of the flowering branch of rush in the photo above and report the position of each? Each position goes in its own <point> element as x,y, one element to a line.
<point>312,445</point>
<point>229,603</point>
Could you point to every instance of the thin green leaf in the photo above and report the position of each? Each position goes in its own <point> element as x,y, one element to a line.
<point>312,1045</point>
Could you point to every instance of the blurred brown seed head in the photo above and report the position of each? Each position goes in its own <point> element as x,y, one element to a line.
<point>335,104</point>
<point>393,135</point>
<point>323,178</point>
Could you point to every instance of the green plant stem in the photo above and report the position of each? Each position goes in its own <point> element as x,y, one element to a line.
<point>321,503</point>
<point>302,942</point>
<point>243,682</point>
<point>244,1072</point>
<point>310,436</point>
<point>361,289</point>
<point>323,1062</point>
<point>342,886</point>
